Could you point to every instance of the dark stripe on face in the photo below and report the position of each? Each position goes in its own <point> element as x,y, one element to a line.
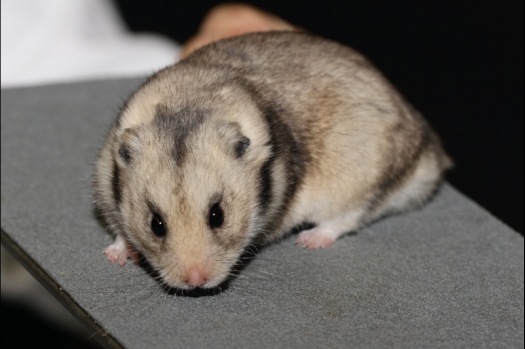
<point>115,183</point>
<point>178,125</point>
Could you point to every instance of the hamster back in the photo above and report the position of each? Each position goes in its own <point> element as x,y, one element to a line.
<point>250,136</point>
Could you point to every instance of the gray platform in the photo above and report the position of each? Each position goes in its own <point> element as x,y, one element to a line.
<point>447,276</point>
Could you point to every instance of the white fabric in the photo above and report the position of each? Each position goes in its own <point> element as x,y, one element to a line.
<point>50,41</point>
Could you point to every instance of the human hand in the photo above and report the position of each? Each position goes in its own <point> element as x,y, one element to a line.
<point>232,19</point>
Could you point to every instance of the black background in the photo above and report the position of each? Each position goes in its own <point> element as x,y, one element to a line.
<point>460,63</point>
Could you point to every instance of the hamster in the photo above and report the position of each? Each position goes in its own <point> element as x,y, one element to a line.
<point>249,137</point>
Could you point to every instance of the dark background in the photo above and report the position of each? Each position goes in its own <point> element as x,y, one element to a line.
<point>460,63</point>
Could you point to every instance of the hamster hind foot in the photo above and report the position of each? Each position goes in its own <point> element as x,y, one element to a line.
<point>120,251</point>
<point>318,237</point>
<point>325,234</point>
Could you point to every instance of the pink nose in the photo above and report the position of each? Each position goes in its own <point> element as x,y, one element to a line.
<point>195,278</point>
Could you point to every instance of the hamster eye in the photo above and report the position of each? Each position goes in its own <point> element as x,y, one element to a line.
<point>216,216</point>
<point>158,226</point>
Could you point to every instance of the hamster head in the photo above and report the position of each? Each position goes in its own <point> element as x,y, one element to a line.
<point>187,184</point>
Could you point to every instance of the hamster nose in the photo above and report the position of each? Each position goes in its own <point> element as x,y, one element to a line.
<point>195,278</point>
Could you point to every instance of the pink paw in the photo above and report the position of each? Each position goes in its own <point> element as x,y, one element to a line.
<point>316,238</point>
<point>120,252</point>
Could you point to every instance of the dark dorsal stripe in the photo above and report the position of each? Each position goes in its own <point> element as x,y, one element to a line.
<point>178,125</point>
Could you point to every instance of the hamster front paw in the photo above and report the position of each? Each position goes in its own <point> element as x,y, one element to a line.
<point>119,252</point>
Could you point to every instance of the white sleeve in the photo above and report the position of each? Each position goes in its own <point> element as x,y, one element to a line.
<point>50,41</point>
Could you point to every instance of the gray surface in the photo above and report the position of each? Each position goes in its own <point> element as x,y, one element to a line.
<point>449,275</point>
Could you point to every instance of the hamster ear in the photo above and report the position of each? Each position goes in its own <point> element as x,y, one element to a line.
<point>243,143</point>
<point>128,145</point>
<point>237,143</point>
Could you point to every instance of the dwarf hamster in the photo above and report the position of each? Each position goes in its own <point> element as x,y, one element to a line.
<point>250,136</point>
